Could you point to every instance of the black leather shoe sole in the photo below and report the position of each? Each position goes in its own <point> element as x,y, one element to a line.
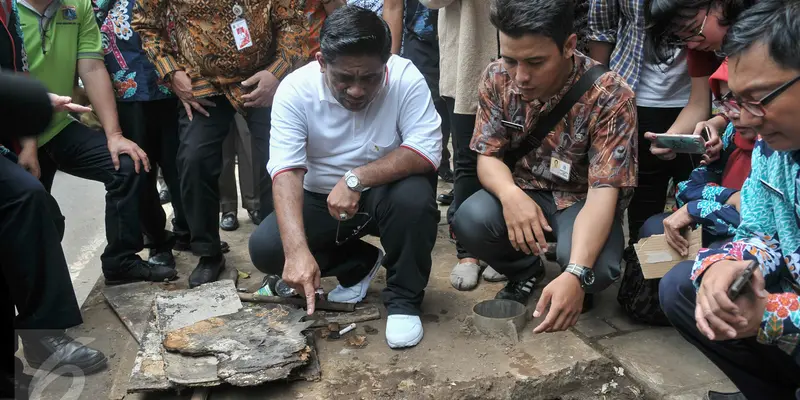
<point>182,244</point>
<point>161,259</point>
<point>89,368</point>
<point>255,216</point>
<point>156,274</point>
<point>229,222</point>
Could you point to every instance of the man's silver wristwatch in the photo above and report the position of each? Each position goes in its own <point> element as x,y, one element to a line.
<point>352,182</point>
<point>585,274</point>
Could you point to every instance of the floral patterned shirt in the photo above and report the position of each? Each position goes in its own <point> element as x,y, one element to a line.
<point>134,77</point>
<point>769,234</point>
<point>597,137</point>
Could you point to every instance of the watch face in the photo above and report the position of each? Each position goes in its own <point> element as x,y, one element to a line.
<point>588,277</point>
<point>352,181</point>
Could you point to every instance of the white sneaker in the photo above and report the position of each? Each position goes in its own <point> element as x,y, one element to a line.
<point>357,292</point>
<point>403,331</point>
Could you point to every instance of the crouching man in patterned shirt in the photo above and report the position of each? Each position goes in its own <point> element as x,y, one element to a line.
<point>576,179</point>
<point>354,146</point>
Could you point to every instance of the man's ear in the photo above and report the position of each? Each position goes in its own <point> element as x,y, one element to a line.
<point>321,61</point>
<point>569,46</point>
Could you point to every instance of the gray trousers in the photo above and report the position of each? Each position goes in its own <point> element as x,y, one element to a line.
<point>239,143</point>
<point>480,227</point>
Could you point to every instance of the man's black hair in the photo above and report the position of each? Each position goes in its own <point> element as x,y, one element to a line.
<point>663,18</point>
<point>775,23</point>
<point>549,18</point>
<point>354,31</point>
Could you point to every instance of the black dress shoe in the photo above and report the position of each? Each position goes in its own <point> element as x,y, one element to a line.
<point>445,198</point>
<point>161,258</point>
<point>712,395</point>
<point>54,350</point>
<point>164,197</point>
<point>446,174</point>
<point>207,270</point>
<point>255,216</point>
<point>142,271</point>
<point>229,222</point>
<point>521,291</point>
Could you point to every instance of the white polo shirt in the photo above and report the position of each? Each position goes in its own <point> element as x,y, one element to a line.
<point>312,131</point>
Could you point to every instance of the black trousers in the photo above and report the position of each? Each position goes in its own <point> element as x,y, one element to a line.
<point>403,214</point>
<point>83,152</point>
<point>481,228</point>
<point>35,274</point>
<point>425,56</point>
<point>650,196</point>
<point>466,165</point>
<point>200,165</point>
<point>759,371</point>
<point>153,125</point>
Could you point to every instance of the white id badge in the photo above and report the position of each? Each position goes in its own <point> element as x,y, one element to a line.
<point>241,34</point>
<point>560,168</point>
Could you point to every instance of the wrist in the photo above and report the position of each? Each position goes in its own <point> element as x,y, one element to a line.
<point>508,192</point>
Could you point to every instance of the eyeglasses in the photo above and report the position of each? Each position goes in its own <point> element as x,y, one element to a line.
<point>731,103</point>
<point>696,37</point>
<point>356,231</point>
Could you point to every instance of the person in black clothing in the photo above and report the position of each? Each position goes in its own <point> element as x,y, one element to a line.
<point>37,291</point>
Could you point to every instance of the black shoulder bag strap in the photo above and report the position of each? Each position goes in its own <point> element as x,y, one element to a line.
<point>549,121</point>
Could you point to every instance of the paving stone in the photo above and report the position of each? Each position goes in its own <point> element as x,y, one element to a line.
<point>594,327</point>
<point>662,360</point>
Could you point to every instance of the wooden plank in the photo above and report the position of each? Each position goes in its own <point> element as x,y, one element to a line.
<point>297,301</point>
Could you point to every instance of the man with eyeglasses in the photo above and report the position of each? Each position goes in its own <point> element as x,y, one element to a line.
<point>753,338</point>
<point>699,26</point>
<point>354,147</point>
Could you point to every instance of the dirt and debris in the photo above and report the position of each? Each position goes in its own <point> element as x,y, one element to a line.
<point>369,330</point>
<point>357,341</point>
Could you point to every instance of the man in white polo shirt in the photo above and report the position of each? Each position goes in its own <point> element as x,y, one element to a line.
<point>354,146</point>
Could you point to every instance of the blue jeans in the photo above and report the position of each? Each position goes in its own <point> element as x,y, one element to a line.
<point>759,371</point>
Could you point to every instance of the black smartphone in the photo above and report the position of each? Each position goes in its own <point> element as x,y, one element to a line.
<point>742,282</point>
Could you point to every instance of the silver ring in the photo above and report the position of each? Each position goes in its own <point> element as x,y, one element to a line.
<point>343,216</point>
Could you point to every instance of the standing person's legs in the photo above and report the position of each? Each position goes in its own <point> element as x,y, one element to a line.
<point>169,170</point>
<point>465,274</point>
<point>200,166</point>
<point>649,197</point>
<point>35,277</point>
<point>249,182</point>
<point>142,123</point>
<point>83,152</point>
<point>258,122</point>
<point>759,371</point>
<point>228,199</point>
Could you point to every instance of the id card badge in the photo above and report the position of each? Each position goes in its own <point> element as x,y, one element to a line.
<point>560,168</point>
<point>241,34</point>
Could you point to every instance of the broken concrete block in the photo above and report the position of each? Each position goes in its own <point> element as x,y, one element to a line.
<point>132,304</point>
<point>148,369</point>
<point>253,346</point>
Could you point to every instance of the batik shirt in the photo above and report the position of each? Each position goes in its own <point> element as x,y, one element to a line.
<point>315,16</point>
<point>597,137</point>
<point>769,234</point>
<point>705,199</point>
<point>375,5</point>
<point>134,77</point>
<point>196,36</point>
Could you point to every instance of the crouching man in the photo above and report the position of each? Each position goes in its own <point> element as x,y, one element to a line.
<point>354,144</point>
<point>569,179</point>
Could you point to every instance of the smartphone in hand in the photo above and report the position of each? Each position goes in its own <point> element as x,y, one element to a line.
<point>742,283</point>
<point>690,144</point>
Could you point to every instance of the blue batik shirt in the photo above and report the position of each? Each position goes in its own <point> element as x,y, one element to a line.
<point>132,74</point>
<point>421,21</point>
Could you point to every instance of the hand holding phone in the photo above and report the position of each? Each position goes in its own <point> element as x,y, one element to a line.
<point>691,144</point>
<point>742,283</point>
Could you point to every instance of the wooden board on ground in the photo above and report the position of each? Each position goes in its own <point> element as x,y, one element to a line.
<point>657,257</point>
